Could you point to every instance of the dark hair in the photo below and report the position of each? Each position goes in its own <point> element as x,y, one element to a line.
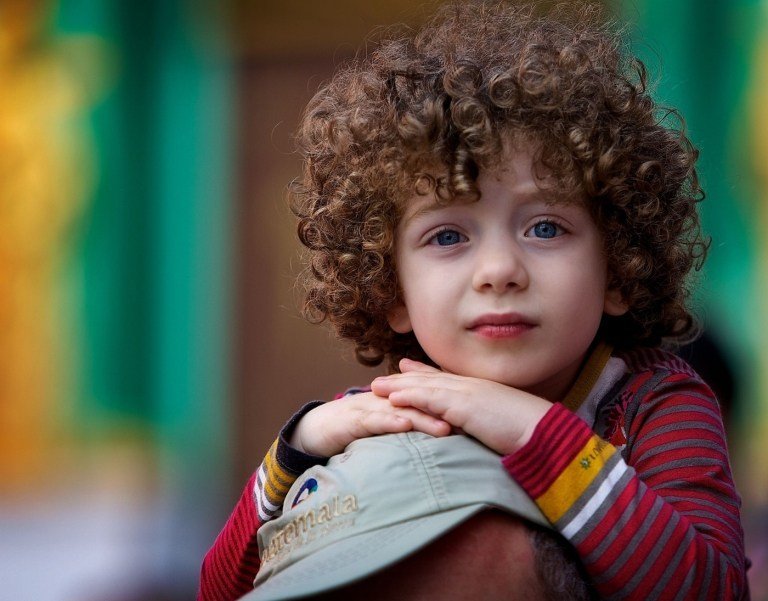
<point>449,95</point>
<point>558,567</point>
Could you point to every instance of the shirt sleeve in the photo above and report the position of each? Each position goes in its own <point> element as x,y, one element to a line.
<point>232,562</point>
<point>660,520</point>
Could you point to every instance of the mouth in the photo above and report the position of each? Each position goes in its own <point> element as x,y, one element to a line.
<point>501,325</point>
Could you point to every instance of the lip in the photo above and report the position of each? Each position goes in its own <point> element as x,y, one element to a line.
<point>501,325</point>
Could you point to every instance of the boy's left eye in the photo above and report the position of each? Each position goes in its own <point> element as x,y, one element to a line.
<point>545,229</point>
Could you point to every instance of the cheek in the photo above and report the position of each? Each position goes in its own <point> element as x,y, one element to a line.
<point>577,289</point>
<point>422,286</point>
<point>431,308</point>
<point>427,313</point>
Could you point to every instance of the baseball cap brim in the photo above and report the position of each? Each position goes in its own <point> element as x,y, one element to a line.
<point>359,556</point>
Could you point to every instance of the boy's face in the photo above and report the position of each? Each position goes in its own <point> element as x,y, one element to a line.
<point>508,288</point>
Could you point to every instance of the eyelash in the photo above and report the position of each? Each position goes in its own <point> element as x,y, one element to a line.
<point>549,221</point>
<point>433,238</point>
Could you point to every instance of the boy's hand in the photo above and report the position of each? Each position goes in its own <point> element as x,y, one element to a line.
<point>327,429</point>
<point>501,417</point>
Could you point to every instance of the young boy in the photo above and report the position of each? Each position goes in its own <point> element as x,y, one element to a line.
<point>496,206</point>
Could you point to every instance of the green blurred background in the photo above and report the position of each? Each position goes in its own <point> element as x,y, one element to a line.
<point>150,342</point>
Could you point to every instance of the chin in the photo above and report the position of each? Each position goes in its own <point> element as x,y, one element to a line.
<point>502,376</point>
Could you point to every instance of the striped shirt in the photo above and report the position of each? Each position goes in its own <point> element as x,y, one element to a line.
<point>638,480</point>
<point>631,468</point>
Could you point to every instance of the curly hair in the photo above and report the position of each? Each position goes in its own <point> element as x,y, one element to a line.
<point>449,95</point>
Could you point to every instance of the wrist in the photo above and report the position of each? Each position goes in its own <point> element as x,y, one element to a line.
<point>294,440</point>
<point>293,433</point>
<point>541,410</point>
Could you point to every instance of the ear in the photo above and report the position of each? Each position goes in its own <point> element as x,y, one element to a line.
<point>614,303</point>
<point>399,320</point>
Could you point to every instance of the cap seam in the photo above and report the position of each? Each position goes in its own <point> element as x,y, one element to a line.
<point>432,473</point>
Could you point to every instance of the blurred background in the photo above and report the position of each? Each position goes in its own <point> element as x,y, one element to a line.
<point>150,342</point>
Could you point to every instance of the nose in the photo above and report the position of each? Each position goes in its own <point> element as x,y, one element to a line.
<point>500,266</point>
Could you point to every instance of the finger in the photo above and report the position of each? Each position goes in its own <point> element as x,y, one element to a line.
<point>410,365</point>
<point>424,422</point>
<point>380,417</point>
<point>372,423</point>
<point>386,385</point>
<point>443,404</point>
<point>424,398</point>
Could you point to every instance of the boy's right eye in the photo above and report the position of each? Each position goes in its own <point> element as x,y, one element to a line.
<point>447,238</point>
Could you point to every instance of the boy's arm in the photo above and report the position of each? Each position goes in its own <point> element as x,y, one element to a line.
<point>663,524</point>
<point>232,562</point>
<point>230,566</point>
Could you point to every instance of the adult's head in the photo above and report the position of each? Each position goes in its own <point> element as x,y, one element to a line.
<point>411,506</point>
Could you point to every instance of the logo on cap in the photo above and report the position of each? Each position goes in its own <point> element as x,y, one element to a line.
<point>309,487</point>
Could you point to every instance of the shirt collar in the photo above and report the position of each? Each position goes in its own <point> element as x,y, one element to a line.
<point>590,372</point>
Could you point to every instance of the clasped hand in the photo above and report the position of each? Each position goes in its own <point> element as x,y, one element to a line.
<point>428,400</point>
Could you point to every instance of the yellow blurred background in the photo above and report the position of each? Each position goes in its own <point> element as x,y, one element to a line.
<point>150,343</point>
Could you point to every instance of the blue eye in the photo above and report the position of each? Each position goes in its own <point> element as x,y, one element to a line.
<point>447,238</point>
<point>546,229</point>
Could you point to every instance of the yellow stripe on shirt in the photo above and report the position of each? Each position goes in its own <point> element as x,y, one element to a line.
<point>588,375</point>
<point>575,478</point>
<point>278,481</point>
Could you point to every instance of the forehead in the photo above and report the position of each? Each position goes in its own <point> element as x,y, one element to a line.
<point>517,173</point>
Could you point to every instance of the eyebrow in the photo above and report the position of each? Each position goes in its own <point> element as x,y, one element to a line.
<point>538,195</point>
<point>430,208</point>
